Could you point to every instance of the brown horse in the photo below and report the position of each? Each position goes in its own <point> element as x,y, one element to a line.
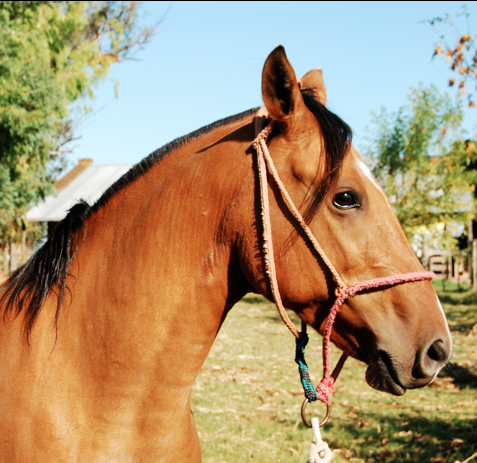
<point>97,363</point>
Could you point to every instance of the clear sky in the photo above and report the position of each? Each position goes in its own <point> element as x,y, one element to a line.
<point>206,60</point>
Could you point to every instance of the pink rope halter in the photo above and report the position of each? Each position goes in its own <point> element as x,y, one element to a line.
<point>343,292</point>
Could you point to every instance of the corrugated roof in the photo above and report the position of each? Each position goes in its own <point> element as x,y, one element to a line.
<point>82,165</point>
<point>88,185</point>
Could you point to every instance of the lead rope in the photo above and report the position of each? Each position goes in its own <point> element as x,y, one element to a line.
<point>319,452</point>
<point>324,390</point>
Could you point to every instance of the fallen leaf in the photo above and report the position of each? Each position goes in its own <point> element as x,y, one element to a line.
<point>473,331</point>
<point>293,451</point>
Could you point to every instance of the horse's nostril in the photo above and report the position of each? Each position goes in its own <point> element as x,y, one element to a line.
<point>437,352</point>
<point>430,360</point>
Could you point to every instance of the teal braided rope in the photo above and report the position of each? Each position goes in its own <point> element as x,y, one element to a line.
<point>310,391</point>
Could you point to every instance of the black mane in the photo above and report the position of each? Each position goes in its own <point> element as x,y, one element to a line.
<point>337,138</point>
<point>156,156</point>
<point>28,287</point>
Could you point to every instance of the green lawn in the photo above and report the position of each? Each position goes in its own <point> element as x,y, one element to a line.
<point>247,399</point>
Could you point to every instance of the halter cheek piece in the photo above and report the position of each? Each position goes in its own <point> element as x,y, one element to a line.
<point>324,390</point>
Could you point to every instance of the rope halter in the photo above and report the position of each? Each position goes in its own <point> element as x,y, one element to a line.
<point>324,390</point>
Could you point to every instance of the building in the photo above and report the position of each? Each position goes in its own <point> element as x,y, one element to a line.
<point>85,181</point>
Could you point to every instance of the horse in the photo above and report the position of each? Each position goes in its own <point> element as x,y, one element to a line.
<point>98,363</point>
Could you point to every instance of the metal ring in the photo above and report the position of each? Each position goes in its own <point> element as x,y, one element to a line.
<point>305,420</point>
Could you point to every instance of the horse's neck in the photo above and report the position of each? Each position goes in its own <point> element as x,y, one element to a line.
<point>152,283</point>
<point>153,280</point>
<point>154,277</point>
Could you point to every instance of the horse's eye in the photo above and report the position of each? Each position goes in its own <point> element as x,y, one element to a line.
<point>345,200</point>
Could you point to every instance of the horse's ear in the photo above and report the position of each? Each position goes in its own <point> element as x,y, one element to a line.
<point>313,80</point>
<point>280,90</point>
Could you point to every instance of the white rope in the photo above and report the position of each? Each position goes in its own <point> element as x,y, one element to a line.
<point>320,452</point>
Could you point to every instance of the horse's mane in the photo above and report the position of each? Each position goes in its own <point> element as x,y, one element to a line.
<point>28,287</point>
<point>337,138</point>
<point>156,156</point>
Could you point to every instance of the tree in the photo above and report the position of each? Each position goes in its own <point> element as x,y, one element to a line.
<point>422,162</point>
<point>460,53</point>
<point>52,55</point>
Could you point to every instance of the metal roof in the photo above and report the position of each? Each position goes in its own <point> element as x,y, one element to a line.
<point>89,185</point>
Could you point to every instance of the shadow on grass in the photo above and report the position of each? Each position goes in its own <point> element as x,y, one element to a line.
<point>464,297</point>
<point>405,439</point>
<point>461,310</point>
<point>463,377</point>
<point>254,299</point>
<point>463,324</point>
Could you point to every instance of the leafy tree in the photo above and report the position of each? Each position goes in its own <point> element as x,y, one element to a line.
<point>52,55</point>
<point>460,52</point>
<point>422,162</point>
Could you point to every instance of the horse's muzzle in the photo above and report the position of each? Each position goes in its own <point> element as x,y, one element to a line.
<point>387,375</point>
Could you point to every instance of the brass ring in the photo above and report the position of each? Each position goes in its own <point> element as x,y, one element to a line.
<point>305,420</point>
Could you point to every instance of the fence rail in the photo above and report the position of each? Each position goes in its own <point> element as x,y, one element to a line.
<point>455,266</point>
<point>12,256</point>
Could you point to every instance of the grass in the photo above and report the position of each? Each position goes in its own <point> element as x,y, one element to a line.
<point>449,286</point>
<point>247,399</point>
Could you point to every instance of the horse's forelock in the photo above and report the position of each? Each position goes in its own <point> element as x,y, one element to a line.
<point>337,137</point>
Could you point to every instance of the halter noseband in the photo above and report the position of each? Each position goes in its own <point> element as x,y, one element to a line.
<point>324,390</point>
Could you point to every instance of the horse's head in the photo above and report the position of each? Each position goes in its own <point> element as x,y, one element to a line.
<point>400,332</point>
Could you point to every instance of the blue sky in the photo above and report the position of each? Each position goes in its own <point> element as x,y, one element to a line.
<point>206,60</point>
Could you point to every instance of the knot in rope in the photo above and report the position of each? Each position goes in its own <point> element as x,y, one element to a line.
<point>320,451</point>
<point>263,135</point>
<point>326,389</point>
<point>340,291</point>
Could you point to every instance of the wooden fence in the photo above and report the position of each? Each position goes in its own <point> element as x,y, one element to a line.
<point>13,255</point>
<point>455,266</point>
